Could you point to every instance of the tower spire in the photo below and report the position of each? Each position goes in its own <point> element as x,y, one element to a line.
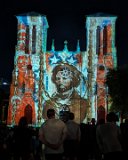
<point>65,45</point>
<point>52,46</point>
<point>78,46</point>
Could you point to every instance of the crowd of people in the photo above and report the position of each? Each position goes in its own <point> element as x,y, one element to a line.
<point>64,139</point>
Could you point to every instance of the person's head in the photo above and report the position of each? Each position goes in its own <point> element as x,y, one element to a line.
<point>65,77</point>
<point>93,121</point>
<point>71,116</point>
<point>64,116</point>
<point>126,120</point>
<point>111,117</point>
<point>50,113</point>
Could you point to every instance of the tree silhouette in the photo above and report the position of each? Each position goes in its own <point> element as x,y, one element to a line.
<point>117,82</point>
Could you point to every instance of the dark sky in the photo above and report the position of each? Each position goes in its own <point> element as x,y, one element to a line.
<point>66,21</point>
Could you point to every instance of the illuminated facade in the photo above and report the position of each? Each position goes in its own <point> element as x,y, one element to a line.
<point>101,56</point>
<point>63,80</point>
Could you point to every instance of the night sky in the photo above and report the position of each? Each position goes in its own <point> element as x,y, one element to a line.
<point>66,21</point>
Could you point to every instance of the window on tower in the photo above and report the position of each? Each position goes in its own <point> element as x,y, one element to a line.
<point>105,40</point>
<point>98,40</point>
<point>34,39</point>
<point>27,40</point>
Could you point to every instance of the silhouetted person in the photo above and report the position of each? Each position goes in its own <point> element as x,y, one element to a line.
<point>22,140</point>
<point>124,131</point>
<point>72,141</point>
<point>92,139</point>
<point>52,133</point>
<point>4,152</point>
<point>108,138</point>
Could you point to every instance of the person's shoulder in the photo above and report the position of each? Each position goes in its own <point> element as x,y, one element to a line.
<point>73,122</point>
<point>61,122</point>
<point>53,121</point>
<point>101,126</point>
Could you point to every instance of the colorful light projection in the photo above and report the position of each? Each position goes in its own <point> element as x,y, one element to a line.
<point>63,80</point>
<point>26,91</point>
<point>66,83</point>
<point>102,56</point>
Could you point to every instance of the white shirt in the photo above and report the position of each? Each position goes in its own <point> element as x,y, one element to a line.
<point>54,131</point>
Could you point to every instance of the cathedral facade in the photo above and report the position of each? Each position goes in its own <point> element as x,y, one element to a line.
<point>64,80</point>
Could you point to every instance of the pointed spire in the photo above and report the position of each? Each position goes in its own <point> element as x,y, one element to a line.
<point>65,45</point>
<point>78,46</point>
<point>52,47</point>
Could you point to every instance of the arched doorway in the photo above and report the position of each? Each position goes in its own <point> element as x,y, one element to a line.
<point>100,113</point>
<point>28,113</point>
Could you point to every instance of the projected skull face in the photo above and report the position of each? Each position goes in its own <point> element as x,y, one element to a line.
<point>64,80</point>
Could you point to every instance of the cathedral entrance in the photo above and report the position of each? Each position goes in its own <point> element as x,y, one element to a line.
<point>100,113</point>
<point>28,113</point>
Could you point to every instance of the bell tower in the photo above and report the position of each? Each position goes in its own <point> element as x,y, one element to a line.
<point>27,76</point>
<point>101,57</point>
